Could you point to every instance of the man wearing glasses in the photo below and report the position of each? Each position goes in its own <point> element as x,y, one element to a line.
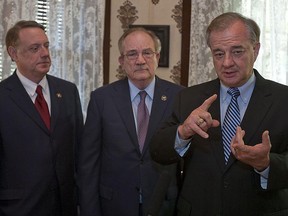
<point>116,175</point>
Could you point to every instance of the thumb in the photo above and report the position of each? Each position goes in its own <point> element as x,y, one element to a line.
<point>266,138</point>
<point>215,123</point>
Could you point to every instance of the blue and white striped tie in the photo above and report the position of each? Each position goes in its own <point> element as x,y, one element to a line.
<point>231,121</point>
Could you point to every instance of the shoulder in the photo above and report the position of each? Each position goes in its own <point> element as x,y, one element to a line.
<point>119,86</point>
<point>56,81</point>
<point>266,85</point>
<point>52,78</point>
<point>210,87</point>
<point>9,80</point>
<point>167,84</point>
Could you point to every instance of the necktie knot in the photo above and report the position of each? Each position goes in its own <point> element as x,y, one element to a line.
<point>39,90</point>
<point>142,95</point>
<point>234,92</point>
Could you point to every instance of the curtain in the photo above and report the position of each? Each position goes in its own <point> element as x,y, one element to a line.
<point>272,18</point>
<point>75,30</point>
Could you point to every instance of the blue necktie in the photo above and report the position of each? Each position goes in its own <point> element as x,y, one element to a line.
<point>142,119</point>
<point>231,121</point>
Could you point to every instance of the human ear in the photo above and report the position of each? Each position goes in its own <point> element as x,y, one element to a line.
<point>12,52</point>
<point>256,49</point>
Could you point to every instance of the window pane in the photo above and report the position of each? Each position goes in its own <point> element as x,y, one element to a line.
<point>42,11</point>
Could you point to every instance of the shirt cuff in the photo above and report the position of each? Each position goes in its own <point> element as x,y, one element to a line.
<point>181,146</point>
<point>264,177</point>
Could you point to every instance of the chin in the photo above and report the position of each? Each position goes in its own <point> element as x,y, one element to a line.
<point>142,75</point>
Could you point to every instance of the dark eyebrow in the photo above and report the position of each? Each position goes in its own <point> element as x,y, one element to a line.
<point>148,49</point>
<point>237,47</point>
<point>39,44</point>
<point>134,50</point>
<point>233,47</point>
<point>217,50</point>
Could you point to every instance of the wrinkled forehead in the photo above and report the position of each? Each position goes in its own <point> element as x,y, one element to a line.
<point>138,41</point>
<point>235,33</point>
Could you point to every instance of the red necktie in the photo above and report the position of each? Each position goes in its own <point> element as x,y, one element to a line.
<point>142,119</point>
<point>42,106</point>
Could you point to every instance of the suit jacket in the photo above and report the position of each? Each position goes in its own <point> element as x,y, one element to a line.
<point>210,187</point>
<point>112,171</point>
<point>36,163</point>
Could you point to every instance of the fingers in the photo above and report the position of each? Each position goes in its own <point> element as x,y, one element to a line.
<point>233,150</point>
<point>257,155</point>
<point>204,115</point>
<point>266,139</point>
<point>208,102</point>
<point>215,123</point>
<point>199,121</point>
<point>237,142</point>
<point>239,135</point>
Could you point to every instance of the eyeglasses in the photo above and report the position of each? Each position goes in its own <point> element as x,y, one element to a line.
<point>133,55</point>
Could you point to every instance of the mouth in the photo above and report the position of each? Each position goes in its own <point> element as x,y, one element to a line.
<point>44,63</point>
<point>141,69</point>
<point>229,73</point>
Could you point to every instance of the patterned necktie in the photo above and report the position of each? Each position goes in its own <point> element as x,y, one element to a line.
<point>42,106</point>
<point>231,121</point>
<point>142,119</point>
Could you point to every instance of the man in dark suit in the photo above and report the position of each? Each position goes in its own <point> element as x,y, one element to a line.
<point>252,180</point>
<point>116,175</point>
<point>37,157</point>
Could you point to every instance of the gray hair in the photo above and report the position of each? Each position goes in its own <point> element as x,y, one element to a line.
<point>156,40</point>
<point>225,20</point>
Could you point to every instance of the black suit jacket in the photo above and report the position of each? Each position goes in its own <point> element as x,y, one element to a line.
<point>34,161</point>
<point>112,170</point>
<point>210,187</point>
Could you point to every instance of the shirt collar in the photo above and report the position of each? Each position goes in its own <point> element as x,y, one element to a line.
<point>245,90</point>
<point>149,89</point>
<point>31,86</point>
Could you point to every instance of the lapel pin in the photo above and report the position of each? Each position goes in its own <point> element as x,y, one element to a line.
<point>59,95</point>
<point>163,97</point>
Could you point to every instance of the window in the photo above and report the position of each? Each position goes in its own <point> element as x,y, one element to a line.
<point>42,10</point>
<point>41,17</point>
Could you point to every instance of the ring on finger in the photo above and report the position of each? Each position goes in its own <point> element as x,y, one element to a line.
<point>200,121</point>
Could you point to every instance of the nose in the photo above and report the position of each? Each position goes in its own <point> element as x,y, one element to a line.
<point>44,51</point>
<point>140,59</point>
<point>228,60</point>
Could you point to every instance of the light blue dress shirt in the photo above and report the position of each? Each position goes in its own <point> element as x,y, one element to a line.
<point>135,97</point>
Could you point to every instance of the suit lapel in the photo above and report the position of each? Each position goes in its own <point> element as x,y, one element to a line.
<point>215,134</point>
<point>22,99</point>
<point>260,103</point>
<point>55,97</point>
<point>158,110</point>
<point>121,97</point>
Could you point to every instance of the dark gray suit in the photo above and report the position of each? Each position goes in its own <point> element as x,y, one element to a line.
<point>112,170</point>
<point>37,164</point>
<point>210,187</point>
